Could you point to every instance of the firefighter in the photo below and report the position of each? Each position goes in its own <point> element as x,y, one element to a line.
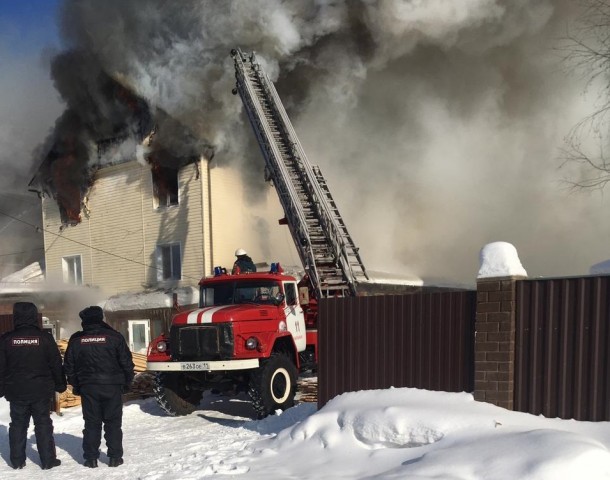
<point>99,367</point>
<point>30,371</point>
<point>243,263</point>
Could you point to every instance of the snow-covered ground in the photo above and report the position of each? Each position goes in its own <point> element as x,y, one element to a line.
<point>394,433</point>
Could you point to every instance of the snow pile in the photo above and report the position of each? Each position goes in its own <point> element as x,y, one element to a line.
<point>500,259</point>
<point>410,433</point>
<point>394,433</point>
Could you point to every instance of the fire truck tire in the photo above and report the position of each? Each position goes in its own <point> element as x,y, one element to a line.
<point>173,396</point>
<point>273,385</point>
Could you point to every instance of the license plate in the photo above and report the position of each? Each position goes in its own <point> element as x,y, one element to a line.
<point>194,366</point>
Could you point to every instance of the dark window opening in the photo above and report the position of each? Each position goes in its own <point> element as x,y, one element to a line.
<point>165,186</point>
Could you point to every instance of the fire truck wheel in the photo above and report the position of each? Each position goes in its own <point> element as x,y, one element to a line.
<point>174,396</point>
<point>273,385</point>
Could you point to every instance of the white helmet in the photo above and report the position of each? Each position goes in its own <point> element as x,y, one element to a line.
<point>239,252</point>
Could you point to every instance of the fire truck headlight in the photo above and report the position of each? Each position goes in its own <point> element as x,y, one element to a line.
<point>162,346</point>
<point>282,326</point>
<point>251,343</point>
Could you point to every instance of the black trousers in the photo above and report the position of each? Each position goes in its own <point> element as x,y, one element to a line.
<point>102,404</point>
<point>21,412</point>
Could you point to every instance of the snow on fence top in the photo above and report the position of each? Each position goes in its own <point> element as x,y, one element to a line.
<point>500,259</point>
<point>601,268</point>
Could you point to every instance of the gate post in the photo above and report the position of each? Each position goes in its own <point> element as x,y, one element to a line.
<point>494,345</point>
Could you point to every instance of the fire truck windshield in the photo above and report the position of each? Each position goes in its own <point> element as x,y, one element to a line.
<point>232,293</point>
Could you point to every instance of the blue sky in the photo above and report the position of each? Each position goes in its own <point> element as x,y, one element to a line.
<point>28,25</point>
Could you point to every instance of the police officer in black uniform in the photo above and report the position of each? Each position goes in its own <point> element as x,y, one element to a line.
<point>30,371</point>
<point>99,366</point>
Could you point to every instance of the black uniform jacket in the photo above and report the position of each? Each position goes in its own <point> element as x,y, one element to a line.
<point>245,264</point>
<point>30,363</point>
<point>98,355</point>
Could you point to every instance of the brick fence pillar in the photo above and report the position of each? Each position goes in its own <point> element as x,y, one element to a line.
<point>494,346</point>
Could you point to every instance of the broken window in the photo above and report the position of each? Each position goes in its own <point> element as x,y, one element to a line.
<point>72,269</point>
<point>165,186</point>
<point>169,264</point>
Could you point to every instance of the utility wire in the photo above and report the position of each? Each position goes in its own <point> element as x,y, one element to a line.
<point>40,229</point>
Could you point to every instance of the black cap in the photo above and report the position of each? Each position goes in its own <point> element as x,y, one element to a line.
<point>93,314</point>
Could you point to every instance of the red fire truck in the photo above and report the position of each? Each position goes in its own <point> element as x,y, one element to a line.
<point>256,332</point>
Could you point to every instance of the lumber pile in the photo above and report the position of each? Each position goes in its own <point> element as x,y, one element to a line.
<point>67,399</point>
<point>63,346</point>
<point>139,362</point>
<point>307,390</point>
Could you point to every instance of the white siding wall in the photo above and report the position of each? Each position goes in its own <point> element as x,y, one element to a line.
<point>118,239</point>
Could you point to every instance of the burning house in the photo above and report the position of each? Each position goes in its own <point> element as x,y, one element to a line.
<point>141,214</point>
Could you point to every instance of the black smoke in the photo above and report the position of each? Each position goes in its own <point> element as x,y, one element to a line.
<point>437,123</point>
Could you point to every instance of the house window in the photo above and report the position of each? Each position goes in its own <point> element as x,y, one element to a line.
<point>165,186</point>
<point>72,269</point>
<point>169,264</point>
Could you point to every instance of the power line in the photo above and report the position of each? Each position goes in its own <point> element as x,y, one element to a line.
<point>40,229</point>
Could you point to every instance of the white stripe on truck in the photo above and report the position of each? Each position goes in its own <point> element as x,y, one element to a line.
<point>203,315</point>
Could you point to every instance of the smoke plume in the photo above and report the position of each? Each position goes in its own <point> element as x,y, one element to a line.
<point>437,123</point>
<point>28,107</point>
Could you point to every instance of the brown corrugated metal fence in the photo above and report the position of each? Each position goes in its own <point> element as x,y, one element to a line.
<point>422,340</point>
<point>562,348</point>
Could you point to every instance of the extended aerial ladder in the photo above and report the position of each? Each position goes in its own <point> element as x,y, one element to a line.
<point>326,249</point>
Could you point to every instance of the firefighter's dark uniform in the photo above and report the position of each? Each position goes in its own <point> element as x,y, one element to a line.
<point>244,263</point>
<point>99,367</point>
<point>30,371</point>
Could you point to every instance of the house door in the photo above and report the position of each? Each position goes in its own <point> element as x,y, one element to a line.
<point>139,335</point>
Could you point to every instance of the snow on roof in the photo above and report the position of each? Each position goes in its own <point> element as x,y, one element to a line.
<point>154,299</point>
<point>393,279</point>
<point>601,268</point>
<point>500,259</point>
<point>28,279</point>
<point>29,274</point>
<point>32,279</point>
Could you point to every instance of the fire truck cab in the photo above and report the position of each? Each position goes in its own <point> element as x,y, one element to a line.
<point>248,334</point>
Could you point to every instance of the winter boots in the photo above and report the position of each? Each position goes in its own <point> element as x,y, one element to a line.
<point>112,462</point>
<point>56,462</point>
<point>115,462</point>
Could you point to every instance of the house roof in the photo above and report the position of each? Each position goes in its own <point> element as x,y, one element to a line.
<point>159,298</point>
<point>28,279</point>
